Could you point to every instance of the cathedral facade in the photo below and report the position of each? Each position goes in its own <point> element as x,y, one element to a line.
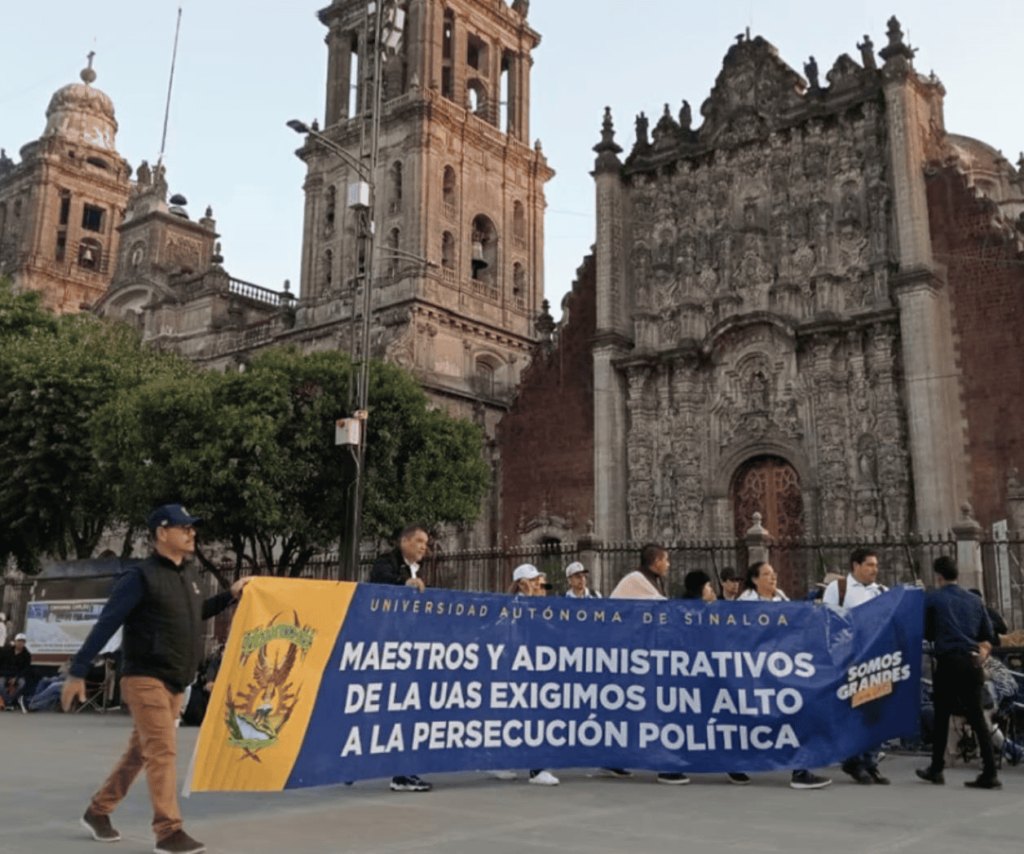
<point>806,307</point>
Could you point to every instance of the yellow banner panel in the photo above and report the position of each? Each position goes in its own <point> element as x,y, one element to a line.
<point>281,639</point>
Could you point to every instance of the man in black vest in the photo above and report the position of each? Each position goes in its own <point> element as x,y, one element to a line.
<point>158,602</point>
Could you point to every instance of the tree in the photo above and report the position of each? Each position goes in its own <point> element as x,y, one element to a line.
<point>55,373</point>
<point>253,452</point>
<point>22,313</point>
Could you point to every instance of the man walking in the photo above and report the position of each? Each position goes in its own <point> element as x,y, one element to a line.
<point>401,566</point>
<point>957,623</point>
<point>158,602</point>
<point>856,589</point>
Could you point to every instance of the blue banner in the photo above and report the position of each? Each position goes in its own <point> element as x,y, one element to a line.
<point>445,681</point>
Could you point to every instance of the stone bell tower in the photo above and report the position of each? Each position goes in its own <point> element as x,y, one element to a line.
<point>61,206</point>
<point>423,174</point>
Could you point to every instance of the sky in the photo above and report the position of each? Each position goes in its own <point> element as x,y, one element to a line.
<point>244,68</point>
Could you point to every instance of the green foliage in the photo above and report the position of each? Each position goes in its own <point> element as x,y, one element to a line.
<point>254,454</point>
<point>55,373</point>
<point>22,313</point>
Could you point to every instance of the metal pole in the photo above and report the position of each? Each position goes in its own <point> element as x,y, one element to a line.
<point>364,371</point>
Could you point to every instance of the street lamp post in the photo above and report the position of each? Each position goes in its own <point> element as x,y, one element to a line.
<point>387,22</point>
<point>361,196</point>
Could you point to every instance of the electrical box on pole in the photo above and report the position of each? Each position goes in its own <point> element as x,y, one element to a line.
<point>347,431</point>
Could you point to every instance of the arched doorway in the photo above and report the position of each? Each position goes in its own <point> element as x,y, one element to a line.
<point>771,486</point>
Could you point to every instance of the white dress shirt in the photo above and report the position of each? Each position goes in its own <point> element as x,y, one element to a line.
<point>856,593</point>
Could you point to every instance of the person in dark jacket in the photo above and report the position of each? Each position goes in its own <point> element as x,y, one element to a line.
<point>401,566</point>
<point>15,669</point>
<point>957,623</point>
<point>158,602</point>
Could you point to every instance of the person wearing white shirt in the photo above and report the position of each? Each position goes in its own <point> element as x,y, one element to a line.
<point>762,585</point>
<point>856,589</point>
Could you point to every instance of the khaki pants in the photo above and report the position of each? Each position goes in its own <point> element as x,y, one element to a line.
<point>153,745</point>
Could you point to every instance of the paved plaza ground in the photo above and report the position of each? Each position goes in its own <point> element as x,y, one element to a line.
<point>50,764</point>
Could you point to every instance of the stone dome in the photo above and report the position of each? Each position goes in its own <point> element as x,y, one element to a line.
<point>80,112</point>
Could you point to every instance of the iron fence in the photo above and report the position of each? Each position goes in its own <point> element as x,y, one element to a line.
<point>802,566</point>
<point>1004,579</point>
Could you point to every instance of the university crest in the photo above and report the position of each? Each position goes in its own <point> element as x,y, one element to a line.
<point>257,713</point>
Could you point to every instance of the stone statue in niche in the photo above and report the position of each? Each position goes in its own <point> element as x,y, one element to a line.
<point>849,207</point>
<point>787,413</point>
<point>665,253</point>
<point>641,264</point>
<point>758,394</point>
<point>852,246</point>
<point>670,333</point>
<point>727,415</point>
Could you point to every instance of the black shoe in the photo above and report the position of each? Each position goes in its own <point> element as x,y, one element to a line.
<point>179,842</point>
<point>99,826</point>
<point>930,776</point>
<point>876,777</point>
<point>673,779</point>
<point>984,782</point>
<point>808,780</point>
<point>860,776</point>
<point>412,783</point>
<point>738,778</point>
<point>621,773</point>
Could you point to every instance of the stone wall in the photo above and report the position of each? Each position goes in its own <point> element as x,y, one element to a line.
<point>546,441</point>
<point>982,254</point>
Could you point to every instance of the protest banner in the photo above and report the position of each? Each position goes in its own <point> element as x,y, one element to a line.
<point>328,682</point>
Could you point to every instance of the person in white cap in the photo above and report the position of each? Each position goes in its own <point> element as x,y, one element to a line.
<point>576,574</point>
<point>527,580</point>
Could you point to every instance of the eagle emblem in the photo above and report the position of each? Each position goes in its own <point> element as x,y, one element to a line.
<point>256,713</point>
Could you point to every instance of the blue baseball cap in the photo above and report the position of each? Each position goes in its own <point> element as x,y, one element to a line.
<point>169,515</point>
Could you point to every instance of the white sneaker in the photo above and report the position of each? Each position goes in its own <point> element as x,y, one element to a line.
<point>544,778</point>
<point>503,775</point>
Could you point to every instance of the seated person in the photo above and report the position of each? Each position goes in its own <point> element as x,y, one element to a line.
<point>15,668</point>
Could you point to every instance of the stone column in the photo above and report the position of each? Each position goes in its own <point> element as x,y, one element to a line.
<point>610,421</point>
<point>930,373</point>
<point>589,549</point>
<point>968,550</point>
<point>757,539</point>
<point>313,187</point>
<point>339,69</point>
